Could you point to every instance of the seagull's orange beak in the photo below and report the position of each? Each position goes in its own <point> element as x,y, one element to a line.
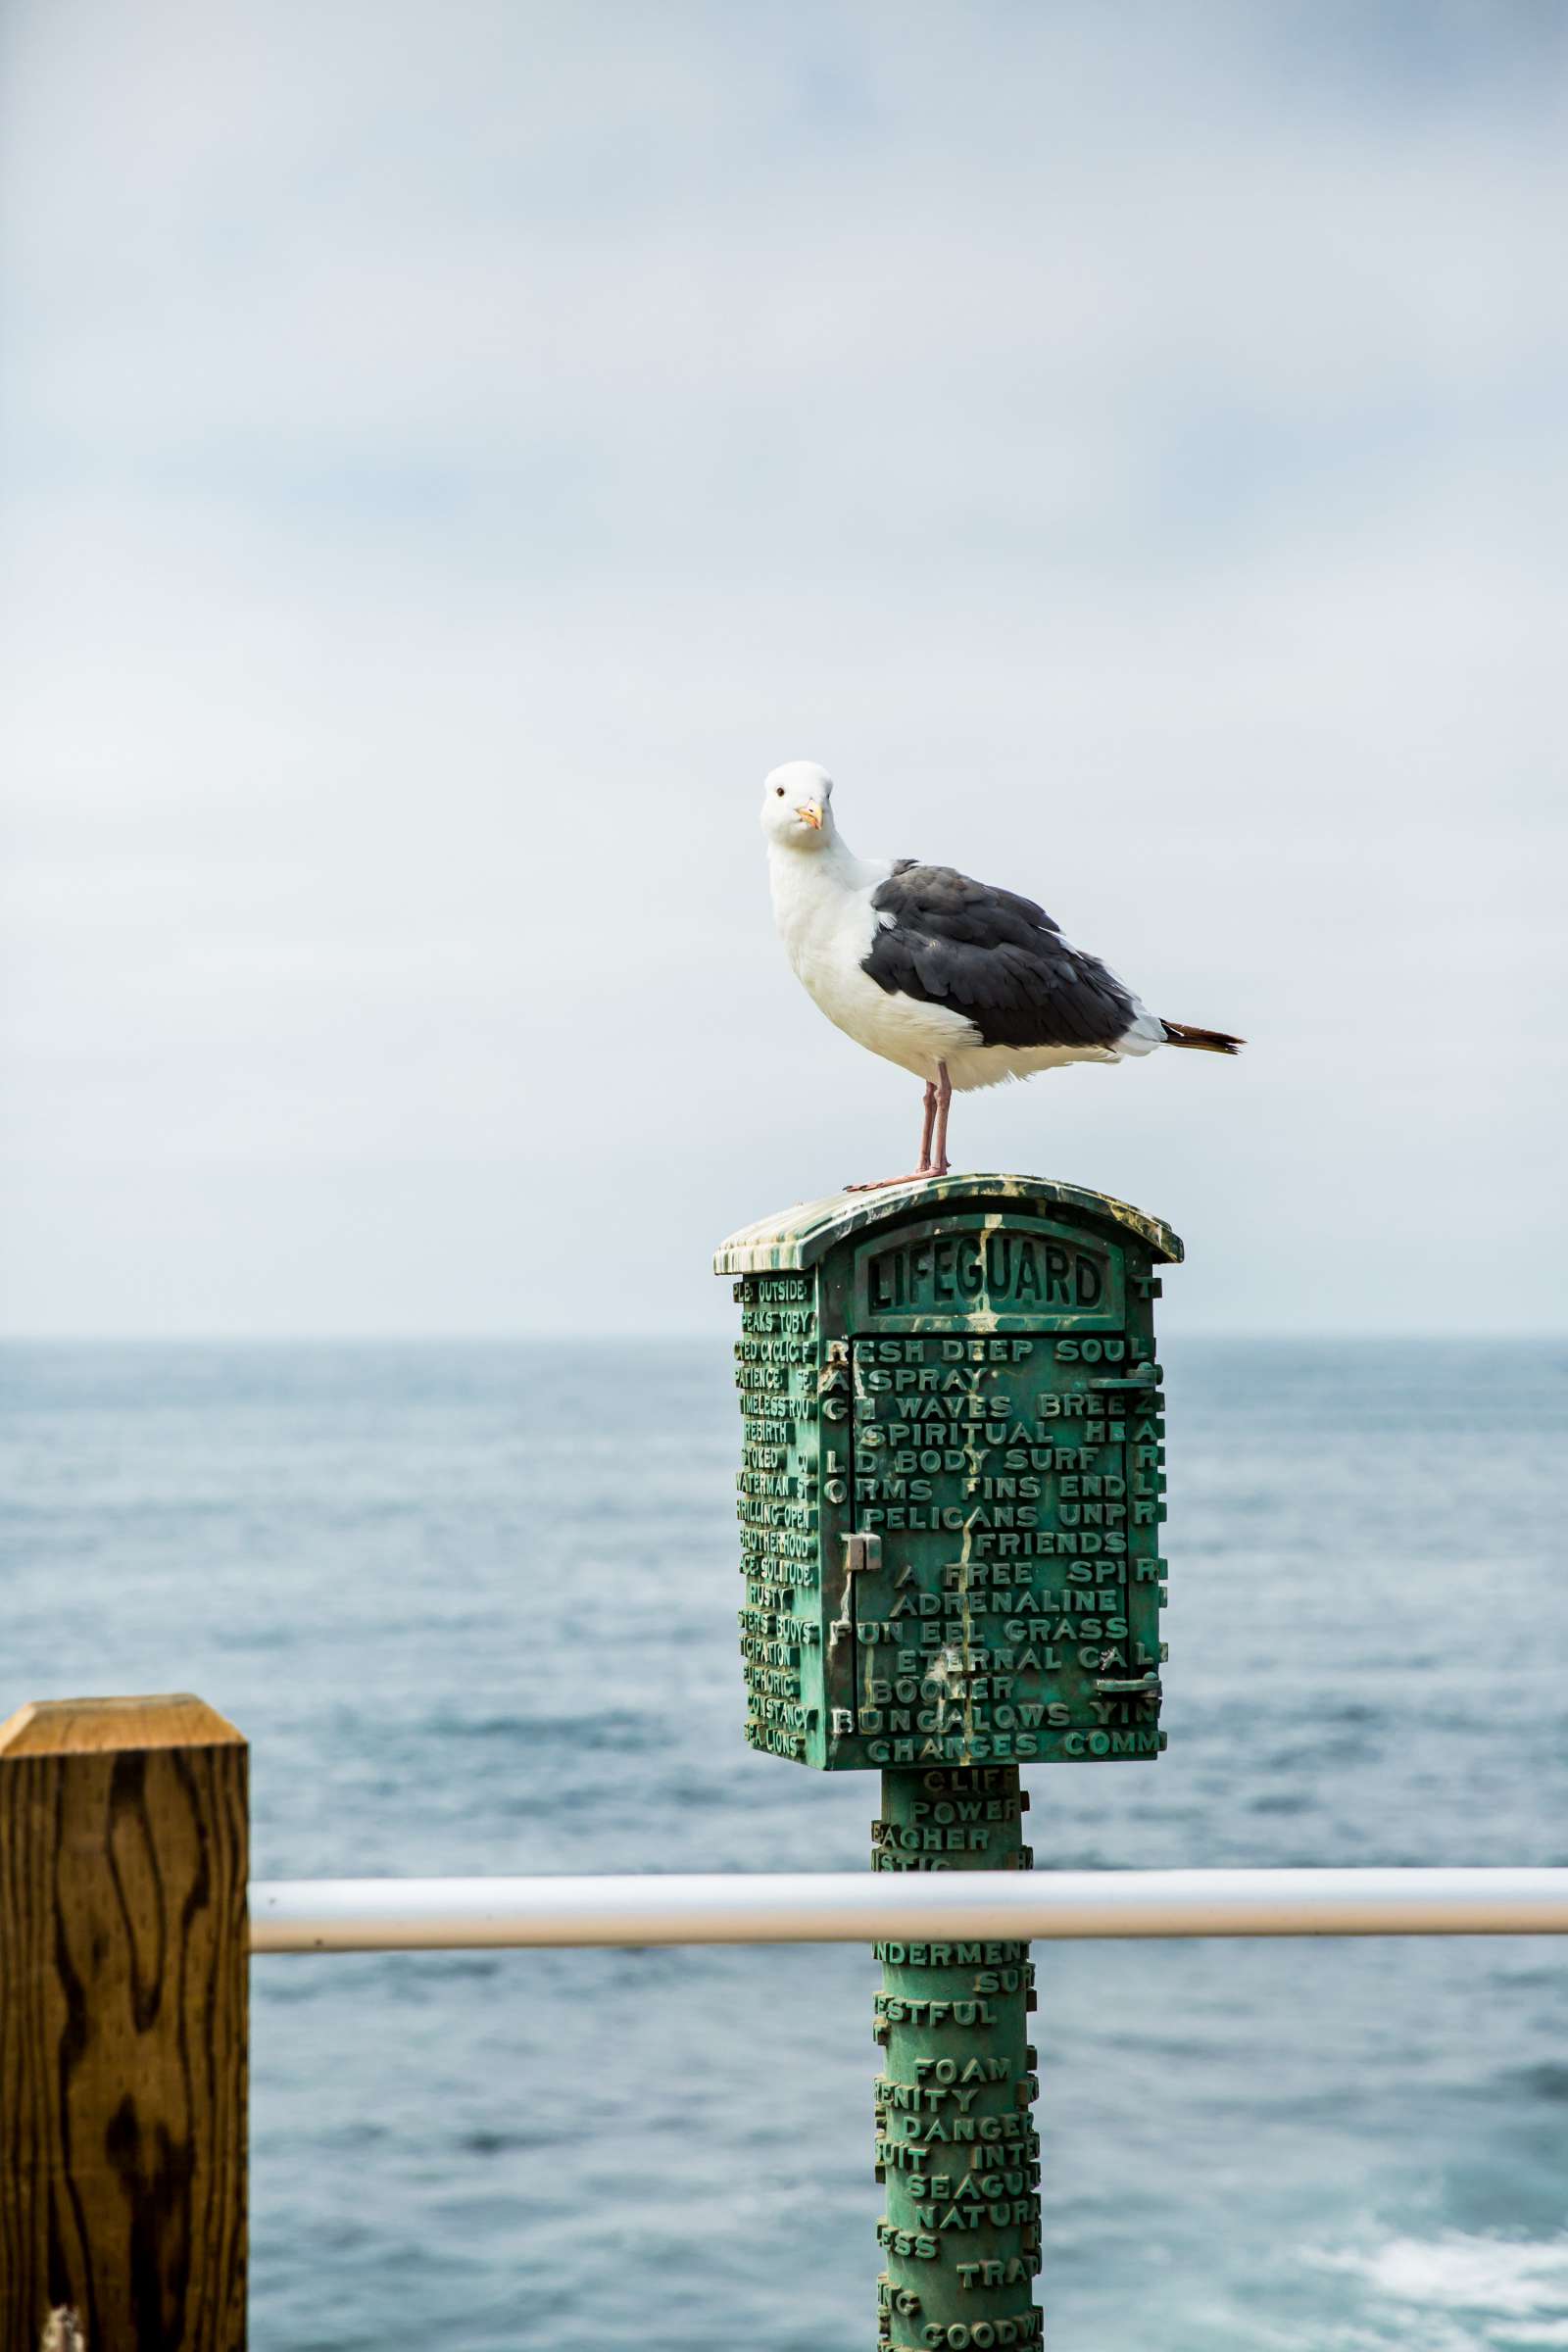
<point>810,813</point>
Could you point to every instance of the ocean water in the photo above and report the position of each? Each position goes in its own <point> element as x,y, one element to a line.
<point>474,1607</point>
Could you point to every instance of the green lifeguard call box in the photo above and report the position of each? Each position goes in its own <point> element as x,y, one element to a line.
<point>951,1483</point>
<point>951,1494</point>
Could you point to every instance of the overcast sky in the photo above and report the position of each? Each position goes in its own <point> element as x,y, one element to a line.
<point>452,452</point>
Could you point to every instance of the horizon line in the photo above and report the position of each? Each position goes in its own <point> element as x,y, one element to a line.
<point>554,1334</point>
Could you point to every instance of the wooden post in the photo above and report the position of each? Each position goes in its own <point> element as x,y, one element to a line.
<point>124,1985</point>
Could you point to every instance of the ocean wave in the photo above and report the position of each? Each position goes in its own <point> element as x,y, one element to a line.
<point>1518,2287</point>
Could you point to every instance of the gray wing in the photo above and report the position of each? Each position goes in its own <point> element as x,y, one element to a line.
<point>994,958</point>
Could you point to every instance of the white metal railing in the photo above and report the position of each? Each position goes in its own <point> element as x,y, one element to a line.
<point>367,1915</point>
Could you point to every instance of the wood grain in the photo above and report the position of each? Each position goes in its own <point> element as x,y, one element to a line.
<point>123,1995</point>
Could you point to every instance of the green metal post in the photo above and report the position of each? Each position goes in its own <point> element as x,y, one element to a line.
<point>949,1498</point>
<point>956,2141</point>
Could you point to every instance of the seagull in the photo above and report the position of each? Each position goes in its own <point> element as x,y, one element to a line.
<point>963,984</point>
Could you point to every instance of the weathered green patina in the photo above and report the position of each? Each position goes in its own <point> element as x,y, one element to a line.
<point>955,2143</point>
<point>949,1505</point>
<point>951,1478</point>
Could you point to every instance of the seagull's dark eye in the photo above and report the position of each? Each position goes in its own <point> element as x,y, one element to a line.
<point>778,792</point>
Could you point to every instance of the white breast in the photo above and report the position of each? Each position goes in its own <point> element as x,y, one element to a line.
<point>822,906</point>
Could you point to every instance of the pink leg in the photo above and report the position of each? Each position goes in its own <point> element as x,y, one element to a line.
<point>938,1166</point>
<point>927,1124</point>
<point>935,1110</point>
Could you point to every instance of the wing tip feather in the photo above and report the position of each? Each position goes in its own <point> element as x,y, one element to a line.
<point>1201,1041</point>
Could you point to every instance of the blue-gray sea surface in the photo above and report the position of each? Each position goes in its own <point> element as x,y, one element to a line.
<point>474,1607</point>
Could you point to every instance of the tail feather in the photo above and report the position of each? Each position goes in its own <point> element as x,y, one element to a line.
<point>1201,1040</point>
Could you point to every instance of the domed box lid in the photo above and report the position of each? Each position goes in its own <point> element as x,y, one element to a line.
<point>796,1238</point>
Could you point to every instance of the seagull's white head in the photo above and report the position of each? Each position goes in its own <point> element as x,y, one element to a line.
<point>798,806</point>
